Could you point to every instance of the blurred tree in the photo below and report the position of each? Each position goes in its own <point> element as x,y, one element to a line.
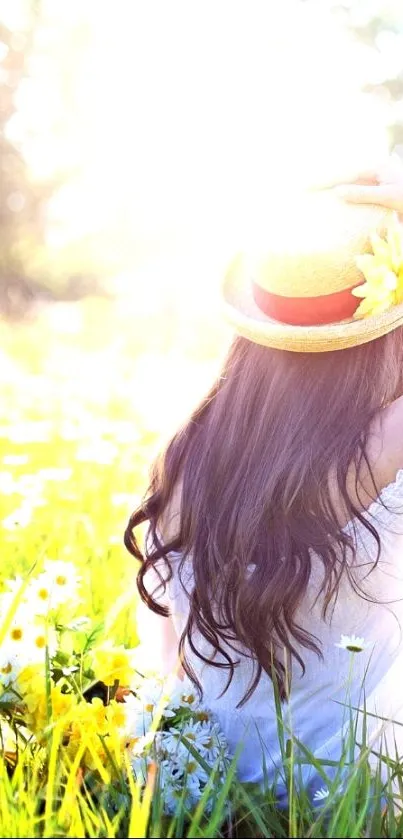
<point>379,26</point>
<point>21,203</point>
<point>24,275</point>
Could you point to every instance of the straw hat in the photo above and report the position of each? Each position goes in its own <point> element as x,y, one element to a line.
<point>300,287</point>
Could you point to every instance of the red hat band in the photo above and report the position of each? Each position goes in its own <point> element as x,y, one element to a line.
<point>306,311</point>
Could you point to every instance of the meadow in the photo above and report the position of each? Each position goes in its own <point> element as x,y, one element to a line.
<point>82,414</point>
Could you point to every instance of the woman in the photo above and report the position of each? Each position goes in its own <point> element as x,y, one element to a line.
<point>276,513</point>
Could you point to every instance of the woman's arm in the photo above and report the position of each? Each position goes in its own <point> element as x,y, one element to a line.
<point>159,641</point>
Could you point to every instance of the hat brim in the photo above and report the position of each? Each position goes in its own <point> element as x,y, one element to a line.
<point>249,321</point>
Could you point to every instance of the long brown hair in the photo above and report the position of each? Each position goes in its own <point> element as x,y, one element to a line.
<point>253,465</point>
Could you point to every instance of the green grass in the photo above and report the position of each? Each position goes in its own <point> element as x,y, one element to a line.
<point>83,404</point>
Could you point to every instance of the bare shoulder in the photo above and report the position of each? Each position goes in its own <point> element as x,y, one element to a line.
<point>385,452</point>
<point>387,443</point>
<point>169,523</point>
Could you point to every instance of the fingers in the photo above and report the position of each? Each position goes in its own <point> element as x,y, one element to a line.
<point>388,170</point>
<point>387,195</point>
<point>369,177</point>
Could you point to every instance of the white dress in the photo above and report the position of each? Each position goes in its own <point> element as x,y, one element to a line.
<point>316,711</point>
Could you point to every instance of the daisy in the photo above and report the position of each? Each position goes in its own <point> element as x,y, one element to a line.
<point>189,697</point>
<point>57,584</point>
<point>321,794</point>
<point>141,755</point>
<point>40,593</point>
<point>173,739</point>
<point>41,637</point>
<point>188,767</point>
<point>212,744</point>
<point>19,631</point>
<point>141,709</point>
<point>174,797</point>
<point>352,643</point>
<point>152,699</point>
<point>27,639</point>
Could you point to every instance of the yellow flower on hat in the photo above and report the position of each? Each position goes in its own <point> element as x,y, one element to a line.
<point>383,272</point>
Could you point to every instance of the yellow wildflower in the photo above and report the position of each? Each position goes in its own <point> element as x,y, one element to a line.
<point>92,724</point>
<point>62,703</point>
<point>116,713</point>
<point>383,272</point>
<point>32,684</point>
<point>111,664</point>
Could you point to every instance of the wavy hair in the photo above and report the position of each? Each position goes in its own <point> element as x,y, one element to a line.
<point>253,466</point>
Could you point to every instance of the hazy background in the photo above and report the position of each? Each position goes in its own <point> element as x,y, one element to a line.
<point>139,141</point>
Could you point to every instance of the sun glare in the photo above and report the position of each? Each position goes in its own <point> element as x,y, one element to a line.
<point>182,123</point>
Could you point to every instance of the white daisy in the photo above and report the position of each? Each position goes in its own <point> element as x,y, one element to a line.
<point>189,697</point>
<point>27,638</point>
<point>137,722</point>
<point>212,744</point>
<point>352,643</point>
<point>41,637</point>
<point>142,707</point>
<point>185,765</point>
<point>172,740</point>
<point>57,584</point>
<point>143,752</point>
<point>321,794</point>
<point>175,797</point>
<point>40,593</point>
<point>153,697</point>
<point>148,741</point>
<point>20,628</point>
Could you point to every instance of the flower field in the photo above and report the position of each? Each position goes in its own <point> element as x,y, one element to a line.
<point>89,747</point>
<point>79,754</point>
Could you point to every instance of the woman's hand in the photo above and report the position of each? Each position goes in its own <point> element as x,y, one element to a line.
<point>383,185</point>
